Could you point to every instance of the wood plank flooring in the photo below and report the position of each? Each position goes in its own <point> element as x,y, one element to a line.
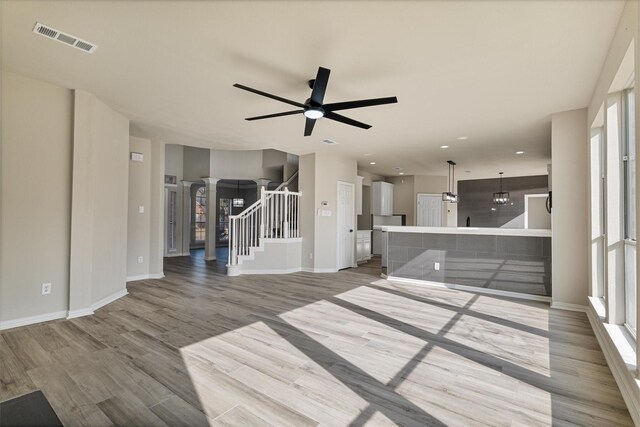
<point>199,348</point>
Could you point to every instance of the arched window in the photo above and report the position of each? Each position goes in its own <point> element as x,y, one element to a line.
<point>201,214</point>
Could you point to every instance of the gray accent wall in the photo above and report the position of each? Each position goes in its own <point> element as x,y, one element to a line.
<point>476,200</point>
<point>507,263</point>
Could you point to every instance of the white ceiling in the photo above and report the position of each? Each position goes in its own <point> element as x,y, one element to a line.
<point>493,71</point>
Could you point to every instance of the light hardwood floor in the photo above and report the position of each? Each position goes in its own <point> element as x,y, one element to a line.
<point>200,348</point>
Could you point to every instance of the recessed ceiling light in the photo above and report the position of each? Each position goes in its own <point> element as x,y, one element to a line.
<point>444,146</point>
<point>329,142</point>
<point>372,163</point>
<point>467,171</point>
<point>519,152</point>
<point>401,173</point>
<point>368,154</point>
<point>462,138</point>
<point>398,168</point>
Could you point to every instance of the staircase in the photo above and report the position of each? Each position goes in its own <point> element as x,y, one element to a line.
<point>265,237</point>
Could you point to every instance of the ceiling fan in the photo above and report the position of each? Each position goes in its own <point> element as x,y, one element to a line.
<point>314,109</point>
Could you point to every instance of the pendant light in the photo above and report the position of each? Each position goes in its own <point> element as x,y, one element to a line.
<point>502,197</point>
<point>450,196</point>
<point>239,201</point>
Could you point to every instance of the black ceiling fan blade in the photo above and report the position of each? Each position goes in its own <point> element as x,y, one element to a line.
<point>359,104</point>
<point>346,120</point>
<point>268,95</point>
<point>308,126</point>
<point>320,86</point>
<point>269,116</point>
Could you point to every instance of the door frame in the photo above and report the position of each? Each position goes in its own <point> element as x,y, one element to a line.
<point>353,234</point>
<point>418,206</point>
<point>526,206</point>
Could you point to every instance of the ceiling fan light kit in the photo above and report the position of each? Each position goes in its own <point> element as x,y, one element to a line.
<point>450,196</point>
<point>314,109</point>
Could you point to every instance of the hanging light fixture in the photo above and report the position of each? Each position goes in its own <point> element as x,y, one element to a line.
<point>502,197</point>
<point>450,196</point>
<point>238,202</point>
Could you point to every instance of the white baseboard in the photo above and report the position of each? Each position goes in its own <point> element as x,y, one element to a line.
<point>109,299</point>
<point>281,271</point>
<point>96,305</point>
<point>467,288</point>
<point>319,270</point>
<point>24,321</point>
<point>567,306</point>
<point>72,314</point>
<point>145,277</point>
<point>623,373</point>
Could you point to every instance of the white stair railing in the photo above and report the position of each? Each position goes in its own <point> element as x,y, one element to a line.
<point>275,216</point>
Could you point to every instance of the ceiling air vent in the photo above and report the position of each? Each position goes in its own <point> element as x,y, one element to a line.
<point>329,142</point>
<point>65,38</point>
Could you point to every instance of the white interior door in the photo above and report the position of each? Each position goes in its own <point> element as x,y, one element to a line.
<point>429,210</point>
<point>346,224</point>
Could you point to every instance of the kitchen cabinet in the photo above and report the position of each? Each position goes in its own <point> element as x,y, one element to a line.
<point>382,198</point>
<point>359,195</point>
<point>363,245</point>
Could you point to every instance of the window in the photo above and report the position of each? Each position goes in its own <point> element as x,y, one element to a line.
<point>629,161</point>
<point>224,210</point>
<point>597,213</point>
<point>201,214</point>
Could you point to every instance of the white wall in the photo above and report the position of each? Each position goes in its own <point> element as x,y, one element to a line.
<point>196,163</point>
<point>569,152</point>
<point>306,184</point>
<point>322,243</point>
<point>139,224</point>
<point>99,202</point>
<point>35,195</point>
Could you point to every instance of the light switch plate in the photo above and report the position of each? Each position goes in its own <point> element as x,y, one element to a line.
<point>140,209</point>
<point>137,157</point>
<point>326,213</point>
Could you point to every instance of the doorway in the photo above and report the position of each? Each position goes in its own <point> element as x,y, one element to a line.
<point>536,215</point>
<point>346,224</point>
<point>429,210</point>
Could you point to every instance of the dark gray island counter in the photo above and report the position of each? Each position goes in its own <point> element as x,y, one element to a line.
<point>513,262</point>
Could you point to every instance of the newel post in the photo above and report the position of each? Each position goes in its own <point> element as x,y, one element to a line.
<point>286,213</point>
<point>263,203</point>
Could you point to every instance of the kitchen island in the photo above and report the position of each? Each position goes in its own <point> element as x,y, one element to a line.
<point>513,262</point>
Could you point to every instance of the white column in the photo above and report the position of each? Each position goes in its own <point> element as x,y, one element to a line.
<point>211,218</point>
<point>186,217</point>
<point>262,183</point>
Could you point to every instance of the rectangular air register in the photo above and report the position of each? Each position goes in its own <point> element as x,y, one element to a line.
<point>65,38</point>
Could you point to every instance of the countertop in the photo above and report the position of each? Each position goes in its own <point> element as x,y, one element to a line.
<point>466,230</point>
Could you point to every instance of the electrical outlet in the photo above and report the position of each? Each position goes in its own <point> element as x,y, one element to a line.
<point>140,260</point>
<point>436,266</point>
<point>46,288</point>
<point>140,209</point>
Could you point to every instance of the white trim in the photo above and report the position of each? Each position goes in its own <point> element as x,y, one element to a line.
<point>109,299</point>
<point>612,340</point>
<point>145,277</point>
<point>484,231</point>
<point>209,258</point>
<point>526,206</point>
<point>318,270</point>
<point>467,288</point>
<point>278,271</point>
<point>569,307</point>
<point>24,321</point>
<point>72,314</point>
<point>283,240</point>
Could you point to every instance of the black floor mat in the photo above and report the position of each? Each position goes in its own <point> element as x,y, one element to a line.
<point>31,409</point>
